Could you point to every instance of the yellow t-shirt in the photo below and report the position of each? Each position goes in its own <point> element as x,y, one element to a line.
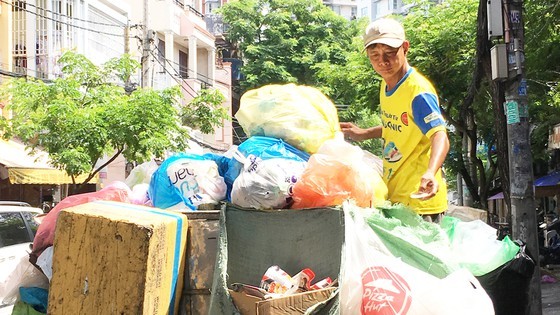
<point>410,114</point>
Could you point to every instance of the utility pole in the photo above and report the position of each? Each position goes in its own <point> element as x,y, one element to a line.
<point>146,38</point>
<point>127,84</point>
<point>127,37</point>
<point>522,193</point>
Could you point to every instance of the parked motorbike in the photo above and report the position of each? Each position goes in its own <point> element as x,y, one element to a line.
<point>549,241</point>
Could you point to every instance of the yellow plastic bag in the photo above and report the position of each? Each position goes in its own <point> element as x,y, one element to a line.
<point>300,115</point>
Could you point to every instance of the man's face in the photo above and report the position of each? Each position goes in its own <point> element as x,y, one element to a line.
<point>386,60</point>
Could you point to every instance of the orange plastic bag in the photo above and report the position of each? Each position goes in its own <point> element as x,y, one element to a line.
<point>338,171</point>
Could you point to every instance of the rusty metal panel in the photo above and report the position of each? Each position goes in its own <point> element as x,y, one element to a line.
<point>202,239</point>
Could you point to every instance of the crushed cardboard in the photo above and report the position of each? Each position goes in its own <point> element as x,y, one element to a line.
<point>287,305</point>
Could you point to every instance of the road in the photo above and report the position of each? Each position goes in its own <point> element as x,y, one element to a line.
<point>551,292</point>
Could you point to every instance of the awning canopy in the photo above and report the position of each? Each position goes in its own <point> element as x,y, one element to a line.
<point>499,195</point>
<point>551,179</point>
<point>17,164</point>
<point>545,186</point>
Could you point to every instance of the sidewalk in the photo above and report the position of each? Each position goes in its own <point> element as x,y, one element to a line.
<point>551,292</point>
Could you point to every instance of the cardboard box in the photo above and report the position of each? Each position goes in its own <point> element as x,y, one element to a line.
<point>117,258</point>
<point>292,304</point>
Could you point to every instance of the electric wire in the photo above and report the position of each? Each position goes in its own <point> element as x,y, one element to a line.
<point>64,15</point>
<point>170,63</point>
<point>65,23</point>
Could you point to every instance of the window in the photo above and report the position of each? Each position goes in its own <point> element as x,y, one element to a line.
<point>336,9</point>
<point>183,64</point>
<point>13,230</point>
<point>161,54</point>
<point>29,218</point>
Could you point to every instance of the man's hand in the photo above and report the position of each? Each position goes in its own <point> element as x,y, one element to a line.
<point>356,133</point>
<point>428,186</point>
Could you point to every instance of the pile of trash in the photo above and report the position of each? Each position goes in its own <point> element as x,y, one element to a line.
<point>291,159</point>
<point>295,157</point>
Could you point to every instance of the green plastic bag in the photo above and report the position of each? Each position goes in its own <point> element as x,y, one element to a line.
<point>21,308</point>
<point>406,235</point>
<point>475,245</point>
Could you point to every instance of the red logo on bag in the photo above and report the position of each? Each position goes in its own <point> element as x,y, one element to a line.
<point>384,292</point>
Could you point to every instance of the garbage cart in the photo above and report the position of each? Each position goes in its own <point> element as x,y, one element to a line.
<point>202,238</point>
<point>251,241</point>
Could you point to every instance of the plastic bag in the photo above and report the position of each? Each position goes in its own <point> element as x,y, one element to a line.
<point>264,148</point>
<point>21,308</point>
<point>116,191</point>
<point>475,246</point>
<point>141,174</point>
<point>337,172</point>
<point>139,195</point>
<point>373,282</point>
<point>266,184</point>
<point>423,245</point>
<point>300,115</point>
<point>186,180</point>
<point>24,275</point>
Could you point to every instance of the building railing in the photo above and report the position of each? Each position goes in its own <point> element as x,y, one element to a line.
<point>184,6</point>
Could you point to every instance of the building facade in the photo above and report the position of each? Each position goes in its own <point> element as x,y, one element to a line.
<point>375,9</point>
<point>168,37</point>
<point>345,8</point>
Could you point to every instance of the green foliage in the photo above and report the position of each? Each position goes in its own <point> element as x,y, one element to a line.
<point>205,111</point>
<point>365,118</point>
<point>353,82</point>
<point>84,115</point>
<point>542,35</point>
<point>281,40</point>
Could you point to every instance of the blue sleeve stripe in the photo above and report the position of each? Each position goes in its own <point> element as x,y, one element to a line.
<point>426,112</point>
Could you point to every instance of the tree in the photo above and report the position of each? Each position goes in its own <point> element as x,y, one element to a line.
<point>281,40</point>
<point>542,34</point>
<point>84,115</point>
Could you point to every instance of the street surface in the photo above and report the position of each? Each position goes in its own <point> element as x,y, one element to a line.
<point>551,292</point>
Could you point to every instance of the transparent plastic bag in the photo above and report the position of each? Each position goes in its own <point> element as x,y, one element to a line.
<point>374,282</point>
<point>24,275</point>
<point>300,115</point>
<point>335,173</point>
<point>141,174</point>
<point>475,245</point>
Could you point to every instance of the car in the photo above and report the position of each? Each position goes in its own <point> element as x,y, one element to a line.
<point>17,230</point>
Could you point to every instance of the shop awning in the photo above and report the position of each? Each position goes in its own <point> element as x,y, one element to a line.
<point>17,164</point>
<point>499,195</point>
<point>551,179</point>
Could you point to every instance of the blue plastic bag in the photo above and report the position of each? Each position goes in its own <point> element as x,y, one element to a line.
<point>189,179</point>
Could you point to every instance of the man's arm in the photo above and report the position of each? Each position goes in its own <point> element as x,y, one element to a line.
<point>356,133</point>
<point>440,147</point>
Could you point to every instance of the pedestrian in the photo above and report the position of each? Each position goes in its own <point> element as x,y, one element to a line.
<point>415,141</point>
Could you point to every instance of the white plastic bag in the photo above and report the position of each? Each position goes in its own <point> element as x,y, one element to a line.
<point>266,184</point>
<point>24,275</point>
<point>373,282</point>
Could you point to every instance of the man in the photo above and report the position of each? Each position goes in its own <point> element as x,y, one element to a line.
<point>413,130</point>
